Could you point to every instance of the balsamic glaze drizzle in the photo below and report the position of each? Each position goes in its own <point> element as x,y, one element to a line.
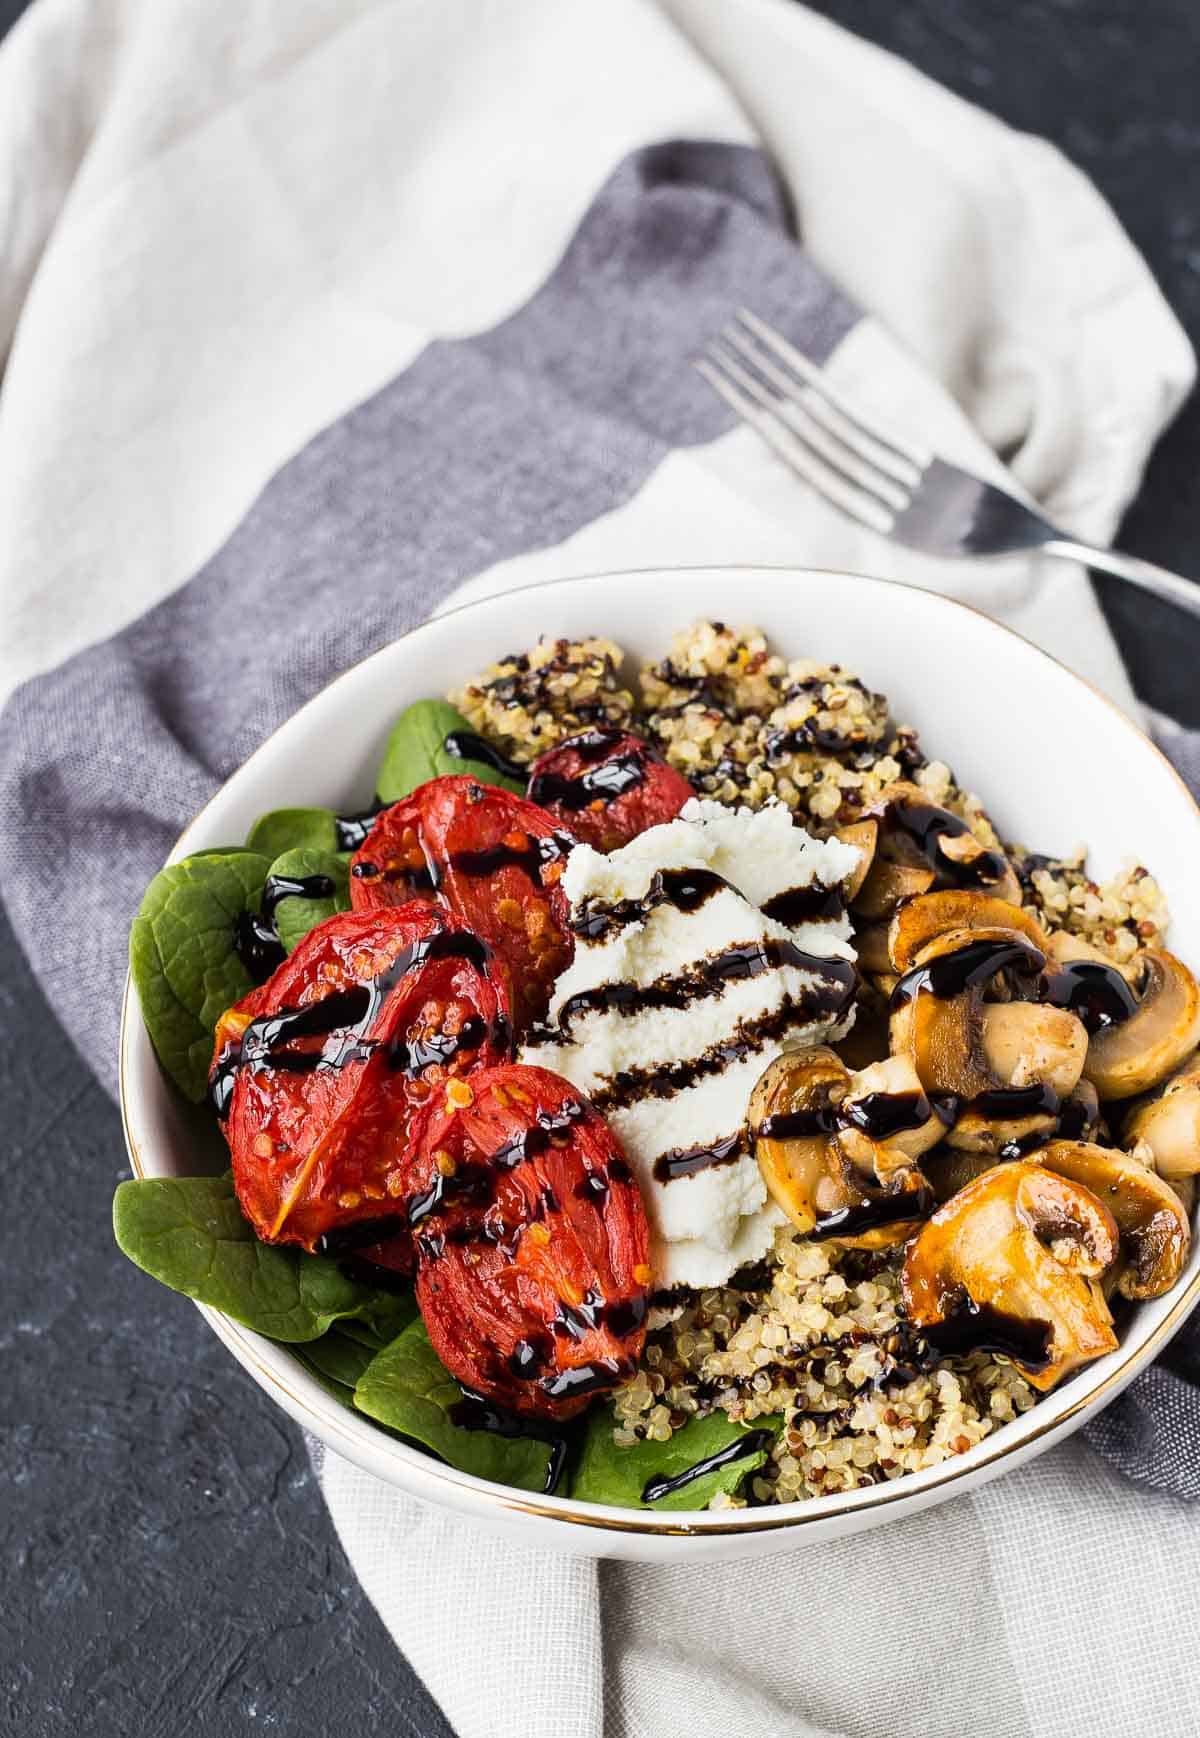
<point>685,889</point>
<point>699,983</point>
<point>1096,993</point>
<point>662,1485</point>
<point>602,780</point>
<point>686,1161</point>
<point>926,825</point>
<point>473,1412</point>
<point>664,1080</point>
<point>351,830</point>
<point>468,745</point>
<point>255,937</point>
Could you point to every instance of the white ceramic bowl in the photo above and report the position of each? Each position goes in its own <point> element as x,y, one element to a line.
<point>1055,762</point>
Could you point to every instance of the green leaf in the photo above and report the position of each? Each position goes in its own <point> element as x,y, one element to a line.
<point>293,830</point>
<point>383,1320</point>
<point>296,915</point>
<point>182,956</point>
<point>605,1473</point>
<point>416,752</point>
<point>338,1358</point>
<point>406,1388</point>
<point>189,1233</point>
<point>343,1394</point>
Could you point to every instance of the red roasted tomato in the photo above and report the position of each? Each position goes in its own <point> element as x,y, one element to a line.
<point>607,786</point>
<point>325,1073</point>
<point>531,1239</point>
<point>489,857</point>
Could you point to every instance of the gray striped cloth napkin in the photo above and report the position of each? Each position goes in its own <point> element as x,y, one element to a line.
<point>316,325</point>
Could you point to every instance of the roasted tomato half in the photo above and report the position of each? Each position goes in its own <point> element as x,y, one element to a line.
<point>489,857</point>
<point>325,1074</point>
<point>531,1239</point>
<point>607,786</point>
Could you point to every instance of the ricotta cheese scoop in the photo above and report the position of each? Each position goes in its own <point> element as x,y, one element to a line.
<point>704,948</point>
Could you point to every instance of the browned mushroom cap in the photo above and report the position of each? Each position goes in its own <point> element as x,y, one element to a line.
<point>1139,1052</point>
<point>1037,1056</point>
<point>887,884</point>
<point>923,920</point>
<point>1010,1265</point>
<point>1154,1228</point>
<point>1165,1131</point>
<point>918,833</point>
<point>938,1016</point>
<point>795,1116</point>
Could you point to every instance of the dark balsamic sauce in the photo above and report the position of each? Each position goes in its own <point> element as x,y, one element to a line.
<point>1011,1103</point>
<point>605,777</point>
<point>754,1442</point>
<point>876,1209</point>
<point>467,745</point>
<point>664,1080</point>
<point>879,1115</point>
<point>815,903</point>
<point>701,982</point>
<point>952,973</point>
<point>257,945</point>
<point>926,825</point>
<point>1094,992</point>
<point>530,857</point>
<point>580,1379</point>
<point>343,1239</point>
<point>473,1412</point>
<point>255,937</point>
<point>687,1161</point>
<point>351,830</point>
<point>685,889</point>
<point>974,1327</point>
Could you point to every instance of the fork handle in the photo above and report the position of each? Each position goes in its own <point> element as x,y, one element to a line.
<point>1171,587</point>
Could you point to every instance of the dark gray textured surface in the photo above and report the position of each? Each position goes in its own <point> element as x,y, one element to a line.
<point>168,1566</point>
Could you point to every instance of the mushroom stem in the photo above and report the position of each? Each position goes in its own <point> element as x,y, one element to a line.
<point>1025,1042</point>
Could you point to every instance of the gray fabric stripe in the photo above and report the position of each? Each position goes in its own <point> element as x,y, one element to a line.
<point>482,449</point>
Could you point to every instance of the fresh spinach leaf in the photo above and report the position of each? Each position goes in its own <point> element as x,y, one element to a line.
<point>296,914</point>
<point>184,962</point>
<point>339,1391</point>
<point>605,1473</point>
<point>189,1233</point>
<point>293,830</point>
<point>383,1320</point>
<point>416,752</point>
<point>407,1388</point>
<point>338,1358</point>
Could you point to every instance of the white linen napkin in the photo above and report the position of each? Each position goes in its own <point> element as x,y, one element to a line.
<point>222,227</point>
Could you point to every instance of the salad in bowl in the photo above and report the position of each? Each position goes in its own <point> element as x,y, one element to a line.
<point>672,1092</point>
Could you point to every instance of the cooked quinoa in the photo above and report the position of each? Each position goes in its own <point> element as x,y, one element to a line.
<point>816,1335</point>
<point>530,700</point>
<point>820,1341</point>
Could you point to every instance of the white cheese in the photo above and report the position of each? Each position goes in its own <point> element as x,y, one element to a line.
<point>709,991</point>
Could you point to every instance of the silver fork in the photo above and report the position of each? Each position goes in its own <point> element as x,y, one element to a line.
<point>896,486</point>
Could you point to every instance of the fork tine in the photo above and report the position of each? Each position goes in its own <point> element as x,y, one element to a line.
<point>814,435</point>
<point>815,377</point>
<point>876,453</point>
<point>867,509</point>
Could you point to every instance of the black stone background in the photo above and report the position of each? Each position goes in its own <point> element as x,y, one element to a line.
<point>168,1566</point>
